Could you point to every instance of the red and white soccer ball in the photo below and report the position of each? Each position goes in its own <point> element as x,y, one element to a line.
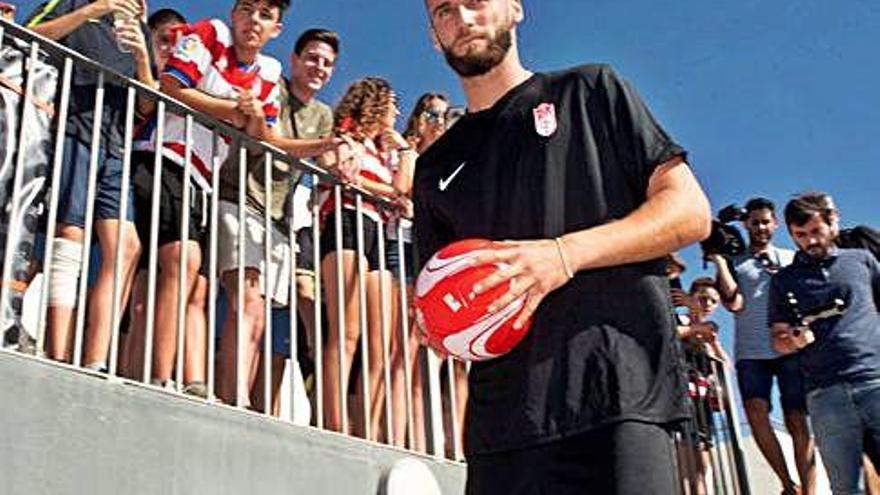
<point>457,324</point>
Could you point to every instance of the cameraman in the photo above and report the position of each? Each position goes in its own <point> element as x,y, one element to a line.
<point>743,283</point>
<point>839,353</point>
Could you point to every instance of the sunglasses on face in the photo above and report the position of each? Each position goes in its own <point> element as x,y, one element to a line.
<point>434,117</point>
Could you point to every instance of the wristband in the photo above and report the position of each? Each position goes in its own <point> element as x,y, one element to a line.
<point>565,266</point>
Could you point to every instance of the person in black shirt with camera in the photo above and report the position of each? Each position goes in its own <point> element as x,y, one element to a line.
<point>573,167</point>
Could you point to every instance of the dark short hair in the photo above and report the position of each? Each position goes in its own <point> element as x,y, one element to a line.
<point>317,34</point>
<point>803,207</point>
<point>702,282</point>
<point>164,16</point>
<point>760,203</point>
<point>281,4</point>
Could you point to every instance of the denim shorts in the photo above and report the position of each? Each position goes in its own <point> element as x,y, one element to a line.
<point>755,379</point>
<point>74,183</point>
<point>392,260</point>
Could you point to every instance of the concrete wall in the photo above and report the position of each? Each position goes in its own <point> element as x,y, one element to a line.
<point>67,432</point>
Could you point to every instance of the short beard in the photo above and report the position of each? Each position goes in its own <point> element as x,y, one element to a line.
<point>477,64</point>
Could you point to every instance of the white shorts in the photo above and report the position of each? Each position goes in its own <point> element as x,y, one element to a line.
<point>254,256</point>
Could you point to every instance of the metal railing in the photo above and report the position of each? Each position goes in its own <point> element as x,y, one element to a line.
<point>37,51</point>
<point>710,453</point>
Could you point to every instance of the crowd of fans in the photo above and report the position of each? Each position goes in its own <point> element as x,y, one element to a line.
<point>217,67</point>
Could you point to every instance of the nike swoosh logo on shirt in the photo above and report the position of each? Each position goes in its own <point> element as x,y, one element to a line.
<point>444,183</point>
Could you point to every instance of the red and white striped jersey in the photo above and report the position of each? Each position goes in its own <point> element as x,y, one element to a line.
<point>374,166</point>
<point>205,59</point>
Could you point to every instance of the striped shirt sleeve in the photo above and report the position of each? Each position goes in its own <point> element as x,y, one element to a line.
<point>193,54</point>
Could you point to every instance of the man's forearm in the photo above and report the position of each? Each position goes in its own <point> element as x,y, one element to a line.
<point>304,148</point>
<point>727,286</point>
<point>66,24</point>
<point>217,108</point>
<point>257,128</point>
<point>726,283</point>
<point>676,214</point>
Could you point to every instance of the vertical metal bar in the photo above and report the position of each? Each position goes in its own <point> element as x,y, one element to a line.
<point>725,445</point>
<point>267,287</point>
<point>404,334</point>
<point>383,322</point>
<point>319,326</point>
<point>241,394</point>
<point>183,261</point>
<point>362,315</point>
<point>735,436</point>
<point>53,202</point>
<point>14,224</point>
<point>153,247</point>
<point>212,266</point>
<point>717,458</point>
<point>118,288</point>
<point>435,410</point>
<point>90,215</point>
<point>340,309</point>
<point>292,292</point>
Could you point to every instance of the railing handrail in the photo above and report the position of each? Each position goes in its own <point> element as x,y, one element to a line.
<point>56,49</point>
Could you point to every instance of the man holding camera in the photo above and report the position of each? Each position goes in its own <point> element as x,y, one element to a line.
<point>824,306</point>
<point>743,282</point>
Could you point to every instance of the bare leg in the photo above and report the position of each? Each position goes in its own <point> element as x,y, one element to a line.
<point>376,344</point>
<point>804,450</point>
<point>165,331</point>
<point>196,340</point>
<point>461,397</point>
<point>305,306</point>
<point>100,303</point>
<point>420,436</point>
<point>758,414</point>
<point>398,394</point>
<point>872,481</point>
<point>254,325</point>
<point>332,387</point>
<point>132,360</point>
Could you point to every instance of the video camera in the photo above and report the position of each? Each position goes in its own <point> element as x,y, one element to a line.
<point>803,320</point>
<point>725,239</point>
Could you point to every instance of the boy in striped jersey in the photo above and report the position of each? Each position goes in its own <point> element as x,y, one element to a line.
<point>219,70</point>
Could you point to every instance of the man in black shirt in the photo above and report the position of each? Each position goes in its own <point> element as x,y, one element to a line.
<point>574,167</point>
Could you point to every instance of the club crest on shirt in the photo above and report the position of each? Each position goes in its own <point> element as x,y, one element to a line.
<point>545,119</point>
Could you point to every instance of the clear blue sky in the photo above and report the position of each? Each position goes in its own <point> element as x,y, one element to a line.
<point>770,98</point>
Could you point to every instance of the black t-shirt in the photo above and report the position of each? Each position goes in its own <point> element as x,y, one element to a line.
<point>601,348</point>
<point>95,40</point>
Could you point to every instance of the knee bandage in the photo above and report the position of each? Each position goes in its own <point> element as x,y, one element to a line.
<point>66,262</point>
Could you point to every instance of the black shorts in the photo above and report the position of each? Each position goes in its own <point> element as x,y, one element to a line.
<point>305,255</point>
<point>755,380</point>
<point>349,237</point>
<point>628,458</point>
<point>170,203</point>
